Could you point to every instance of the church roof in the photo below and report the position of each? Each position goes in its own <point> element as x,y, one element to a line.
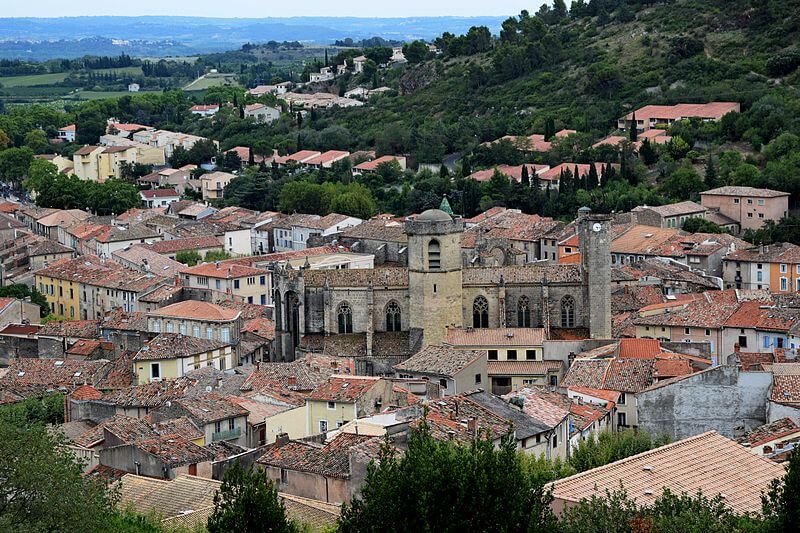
<point>434,215</point>
<point>569,273</point>
<point>391,277</point>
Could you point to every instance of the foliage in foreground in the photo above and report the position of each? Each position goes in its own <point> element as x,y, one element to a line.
<point>612,446</point>
<point>247,501</point>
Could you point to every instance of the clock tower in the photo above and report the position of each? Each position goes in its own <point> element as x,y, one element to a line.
<point>595,245</point>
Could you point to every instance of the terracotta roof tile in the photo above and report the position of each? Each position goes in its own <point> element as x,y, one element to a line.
<point>331,459</point>
<point>197,310</point>
<point>707,462</point>
<point>522,368</point>
<point>440,360</point>
<point>175,345</point>
<point>340,388</point>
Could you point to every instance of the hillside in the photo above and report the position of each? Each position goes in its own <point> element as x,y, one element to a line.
<point>589,72</point>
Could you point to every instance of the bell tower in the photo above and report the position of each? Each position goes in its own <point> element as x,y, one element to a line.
<point>434,276</point>
<point>595,245</point>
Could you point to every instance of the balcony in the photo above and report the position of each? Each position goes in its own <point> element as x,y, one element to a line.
<point>229,434</point>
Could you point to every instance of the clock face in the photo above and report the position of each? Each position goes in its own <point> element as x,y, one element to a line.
<point>597,227</point>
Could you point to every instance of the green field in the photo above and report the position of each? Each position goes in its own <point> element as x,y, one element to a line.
<point>99,95</point>
<point>211,80</point>
<point>50,79</point>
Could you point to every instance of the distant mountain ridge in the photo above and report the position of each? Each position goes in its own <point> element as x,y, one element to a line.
<point>46,38</point>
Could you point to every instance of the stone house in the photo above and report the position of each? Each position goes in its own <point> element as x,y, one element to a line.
<point>749,206</point>
<point>454,370</point>
<point>343,398</point>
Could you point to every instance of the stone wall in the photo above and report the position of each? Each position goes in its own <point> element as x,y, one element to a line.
<point>721,399</point>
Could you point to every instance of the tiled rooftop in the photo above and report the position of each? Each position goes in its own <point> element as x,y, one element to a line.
<point>175,345</point>
<point>440,360</point>
<point>211,408</point>
<point>330,459</point>
<point>196,310</point>
<point>340,388</point>
<point>494,336</point>
<point>707,462</point>
<point>522,368</point>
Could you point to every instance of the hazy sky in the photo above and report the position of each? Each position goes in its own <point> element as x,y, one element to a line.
<point>266,8</point>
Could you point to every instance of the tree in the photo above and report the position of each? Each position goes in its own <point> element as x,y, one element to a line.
<point>647,152</point>
<point>711,176</point>
<point>248,502</point>
<point>36,140</point>
<point>701,225</point>
<point>525,178</point>
<point>216,255</point>
<point>445,486</point>
<point>415,52</point>
<point>23,291</point>
<point>14,164</point>
<point>609,447</point>
<point>683,183</point>
<point>188,257</point>
<point>39,172</point>
<point>112,197</point>
<point>5,142</point>
<point>549,129</point>
<point>90,125</point>
<point>179,157</point>
<point>782,500</point>
<point>356,203</point>
<point>41,487</point>
<point>633,133</point>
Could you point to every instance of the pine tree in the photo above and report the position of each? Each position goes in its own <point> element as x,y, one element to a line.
<point>549,128</point>
<point>634,132</point>
<point>466,167</point>
<point>562,186</point>
<point>251,160</point>
<point>525,179</point>
<point>241,111</point>
<point>235,99</point>
<point>326,57</point>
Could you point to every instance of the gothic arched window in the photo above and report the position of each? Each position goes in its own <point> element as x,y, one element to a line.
<point>434,255</point>
<point>524,312</point>
<point>567,312</point>
<point>344,315</point>
<point>392,316</point>
<point>480,312</point>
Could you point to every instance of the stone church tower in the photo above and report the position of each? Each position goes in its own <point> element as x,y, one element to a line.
<point>595,245</point>
<point>434,276</point>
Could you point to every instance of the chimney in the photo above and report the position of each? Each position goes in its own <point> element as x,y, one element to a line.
<point>216,264</point>
<point>780,355</point>
<point>736,348</point>
<point>219,382</point>
<point>334,364</point>
<point>281,439</point>
<point>472,424</point>
<point>291,381</point>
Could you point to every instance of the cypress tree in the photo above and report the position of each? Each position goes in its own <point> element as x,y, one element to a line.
<point>526,179</point>
<point>466,168</point>
<point>712,178</point>
<point>591,183</point>
<point>549,128</point>
<point>634,132</point>
<point>326,57</point>
<point>562,187</point>
<point>251,159</point>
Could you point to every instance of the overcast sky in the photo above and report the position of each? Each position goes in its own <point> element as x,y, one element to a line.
<point>267,8</point>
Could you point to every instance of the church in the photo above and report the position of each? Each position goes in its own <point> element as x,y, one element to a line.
<point>383,315</point>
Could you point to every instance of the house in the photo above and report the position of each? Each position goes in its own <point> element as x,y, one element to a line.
<point>230,280</point>
<point>292,232</point>
<point>218,418</point>
<point>760,326</point>
<point>357,92</point>
<point>343,398</point>
<point>47,222</point>
<point>628,367</point>
<point>513,172</point>
<point>772,440</point>
<point>723,398</point>
<point>133,87</point>
<point>669,216</point>
<point>162,456</point>
<point>454,370</point>
<point>101,163</point>
<point>201,245</point>
<point>16,311</point>
<point>115,238</point>
<point>661,116</point>
<point>204,110</point>
<point>372,166</point>
<point>707,462</point>
<point>550,178</point>
<point>172,355</point>
<point>140,258</point>
<point>187,501</point>
<point>88,287</point>
<point>261,90</point>
<point>166,140</point>
<point>775,267</point>
<point>358,64</point>
<point>47,251</point>
<point>324,74</point>
<point>262,113</point>
<point>552,411</point>
<point>159,197</point>
<point>327,159</point>
<point>197,319</point>
<point>514,355</point>
<point>748,206</point>
<point>296,158</point>
<point>385,240</point>
<point>234,236</point>
<point>40,377</point>
<point>214,183</point>
<point>330,472</point>
<point>66,133</point>
<point>509,238</point>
